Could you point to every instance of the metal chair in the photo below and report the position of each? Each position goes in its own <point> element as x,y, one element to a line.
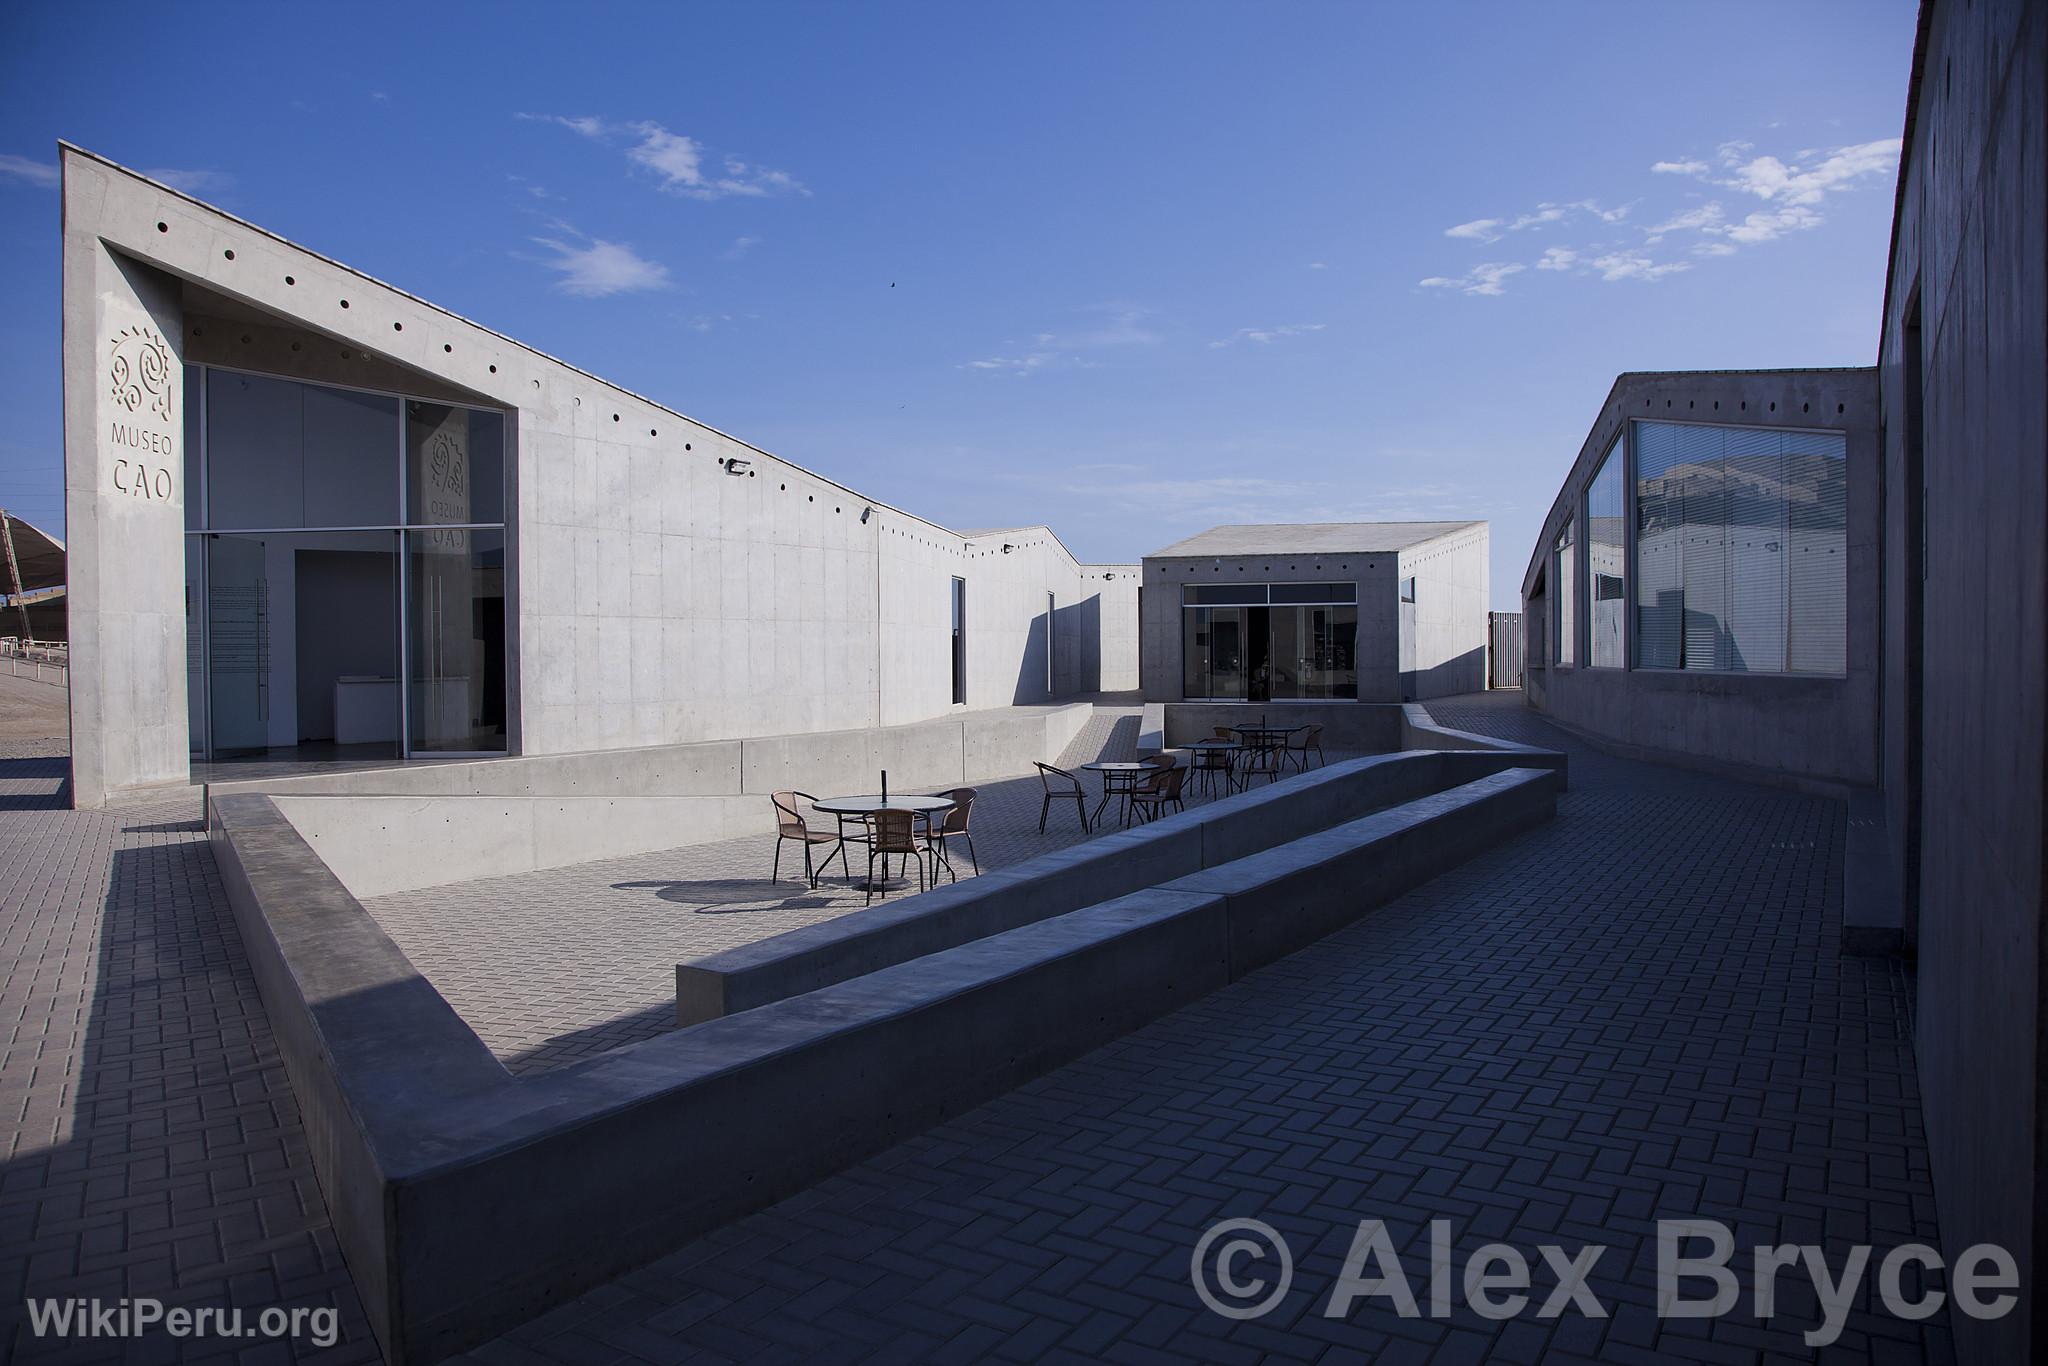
<point>1296,747</point>
<point>1062,784</point>
<point>790,825</point>
<point>1212,762</point>
<point>1313,741</point>
<point>1263,757</point>
<point>952,822</point>
<point>1159,792</point>
<point>892,832</point>
<point>1222,732</point>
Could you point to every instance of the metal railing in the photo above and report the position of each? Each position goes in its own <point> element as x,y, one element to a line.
<point>45,662</point>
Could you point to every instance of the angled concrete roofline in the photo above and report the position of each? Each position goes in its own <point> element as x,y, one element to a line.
<point>1280,538</point>
<point>70,149</point>
<point>982,533</point>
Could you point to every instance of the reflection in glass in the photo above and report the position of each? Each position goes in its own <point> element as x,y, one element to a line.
<point>456,665</point>
<point>1606,552</point>
<point>455,465</point>
<point>1741,549</point>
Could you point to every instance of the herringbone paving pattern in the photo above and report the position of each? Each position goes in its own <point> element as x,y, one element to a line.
<point>1636,1011</point>
<point>150,1145</point>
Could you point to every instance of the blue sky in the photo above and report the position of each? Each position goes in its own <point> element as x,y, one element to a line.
<point>1129,270</point>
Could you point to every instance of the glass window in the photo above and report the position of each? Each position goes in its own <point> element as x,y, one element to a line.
<point>1235,647</point>
<point>1223,594</point>
<point>959,640</point>
<point>1314,652</point>
<point>284,454</point>
<point>1741,548</point>
<point>1607,560</point>
<point>455,463</point>
<point>1315,592</point>
<point>1408,589</point>
<point>1562,574</point>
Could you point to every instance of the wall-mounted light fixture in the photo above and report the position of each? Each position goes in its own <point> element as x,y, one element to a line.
<point>1109,576</point>
<point>736,465</point>
<point>1007,547</point>
<point>866,513</point>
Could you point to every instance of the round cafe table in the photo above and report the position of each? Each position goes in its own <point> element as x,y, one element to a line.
<point>868,805</point>
<point>1118,778</point>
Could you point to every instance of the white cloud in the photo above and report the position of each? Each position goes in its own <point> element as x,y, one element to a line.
<point>1483,279</point>
<point>1122,325</point>
<point>678,161</point>
<point>704,322</point>
<point>1633,265</point>
<point>602,268</point>
<point>191,182</point>
<point>1478,230</point>
<point>41,173</point>
<point>1713,249</point>
<point>739,248</point>
<point>1265,336</point>
<point>1021,366</point>
<point>1558,258</point>
<point>1768,225</point>
<point>1768,178</point>
<point>1679,168</point>
<point>588,125</point>
<point>1319,265</point>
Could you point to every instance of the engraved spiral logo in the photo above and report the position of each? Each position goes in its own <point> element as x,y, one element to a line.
<point>444,459</point>
<point>141,372</point>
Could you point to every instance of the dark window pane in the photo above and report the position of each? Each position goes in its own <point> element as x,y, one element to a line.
<point>1315,592</point>
<point>1223,594</point>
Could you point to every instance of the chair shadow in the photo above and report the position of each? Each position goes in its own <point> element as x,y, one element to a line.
<point>733,896</point>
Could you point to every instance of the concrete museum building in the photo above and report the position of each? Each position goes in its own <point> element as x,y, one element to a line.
<point>311,512</point>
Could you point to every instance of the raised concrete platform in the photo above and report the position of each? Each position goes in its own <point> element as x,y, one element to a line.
<point>467,1200</point>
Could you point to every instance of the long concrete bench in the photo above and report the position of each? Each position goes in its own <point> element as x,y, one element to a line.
<point>467,1201</point>
<point>1081,875</point>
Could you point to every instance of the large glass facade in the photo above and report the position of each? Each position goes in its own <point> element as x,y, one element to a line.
<point>1607,561</point>
<point>1741,549</point>
<point>346,581</point>
<point>1564,574</point>
<point>1269,642</point>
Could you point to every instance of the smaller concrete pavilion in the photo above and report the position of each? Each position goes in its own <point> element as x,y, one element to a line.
<point>1316,612</point>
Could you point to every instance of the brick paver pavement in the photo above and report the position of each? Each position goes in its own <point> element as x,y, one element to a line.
<point>581,960</point>
<point>1636,1011</point>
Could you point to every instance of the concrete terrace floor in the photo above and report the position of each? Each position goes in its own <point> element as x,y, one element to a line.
<point>1634,1012</point>
<point>580,960</point>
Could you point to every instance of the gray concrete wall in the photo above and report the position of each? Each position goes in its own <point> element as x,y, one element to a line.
<point>1443,650</point>
<point>1379,635</point>
<point>124,508</point>
<point>1808,730</point>
<point>397,829</point>
<point>1970,258</point>
<point>667,583</point>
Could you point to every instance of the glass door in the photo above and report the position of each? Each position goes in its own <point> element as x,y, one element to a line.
<point>455,651</point>
<point>237,645</point>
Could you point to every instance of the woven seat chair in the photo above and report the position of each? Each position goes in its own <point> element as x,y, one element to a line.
<point>790,826</point>
<point>1159,792</point>
<point>892,832</point>
<point>940,827</point>
<point>1061,784</point>
<point>1268,759</point>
